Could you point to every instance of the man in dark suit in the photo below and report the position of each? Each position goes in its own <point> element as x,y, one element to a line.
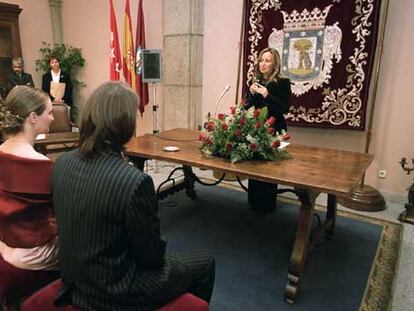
<point>18,76</point>
<point>111,253</point>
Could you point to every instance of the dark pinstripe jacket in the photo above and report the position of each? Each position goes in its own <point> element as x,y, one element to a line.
<point>111,252</point>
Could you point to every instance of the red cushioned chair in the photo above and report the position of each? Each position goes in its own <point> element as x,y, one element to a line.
<point>16,283</point>
<point>43,300</point>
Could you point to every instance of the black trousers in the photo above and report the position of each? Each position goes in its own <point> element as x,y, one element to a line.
<point>201,268</point>
<point>262,195</point>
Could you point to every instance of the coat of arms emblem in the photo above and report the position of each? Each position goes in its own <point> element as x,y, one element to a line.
<point>307,48</point>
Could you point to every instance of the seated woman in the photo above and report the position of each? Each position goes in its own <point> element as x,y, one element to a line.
<point>28,236</point>
<point>111,252</point>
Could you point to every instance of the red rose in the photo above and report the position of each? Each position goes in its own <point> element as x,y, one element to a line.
<point>271,130</point>
<point>220,116</point>
<point>276,144</point>
<point>286,136</point>
<point>270,121</point>
<point>202,136</point>
<point>229,147</point>
<point>238,133</point>
<point>233,110</point>
<point>224,126</point>
<point>242,121</point>
<point>209,126</point>
<point>253,146</point>
<point>209,141</point>
<point>258,124</point>
<point>256,113</point>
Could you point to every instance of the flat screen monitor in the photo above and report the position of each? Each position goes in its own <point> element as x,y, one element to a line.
<point>151,66</point>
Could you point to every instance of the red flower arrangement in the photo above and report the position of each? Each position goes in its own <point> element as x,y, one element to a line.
<point>243,135</point>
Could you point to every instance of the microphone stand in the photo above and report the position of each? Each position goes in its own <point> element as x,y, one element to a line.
<point>227,88</point>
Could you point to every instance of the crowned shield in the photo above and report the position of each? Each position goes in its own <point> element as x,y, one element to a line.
<point>307,48</point>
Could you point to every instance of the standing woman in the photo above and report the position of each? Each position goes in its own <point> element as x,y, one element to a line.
<point>57,75</point>
<point>28,235</point>
<point>269,90</point>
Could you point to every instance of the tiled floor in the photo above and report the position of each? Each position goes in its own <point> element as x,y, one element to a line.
<point>403,296</point>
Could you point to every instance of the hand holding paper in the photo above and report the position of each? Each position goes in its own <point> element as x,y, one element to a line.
<point>57,90</point>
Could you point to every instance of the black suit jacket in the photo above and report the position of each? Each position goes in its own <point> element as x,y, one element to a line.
<point>110,249</point>
<point>13,79</point>
<point>64,78</point>
<point>278,101</point>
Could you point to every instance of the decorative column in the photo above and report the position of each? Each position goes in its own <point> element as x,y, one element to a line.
<point>56,16</point>
<point>182,63</point>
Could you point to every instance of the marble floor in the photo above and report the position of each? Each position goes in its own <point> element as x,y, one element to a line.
<point>403,293</point>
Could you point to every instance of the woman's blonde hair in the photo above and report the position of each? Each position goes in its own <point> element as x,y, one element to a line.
<point>108,119</point>
<point>275,73</point>
<point>19,104</point>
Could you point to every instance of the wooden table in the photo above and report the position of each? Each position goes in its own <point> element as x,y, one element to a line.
<point>310,171</point>
<point>65,140</point>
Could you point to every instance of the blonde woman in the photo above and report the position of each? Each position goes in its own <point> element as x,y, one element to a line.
<point>28,235</point>
<point>269,89</point>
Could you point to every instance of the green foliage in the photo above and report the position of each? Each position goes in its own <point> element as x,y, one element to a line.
<point>70,58</point>
<point>243,135</point>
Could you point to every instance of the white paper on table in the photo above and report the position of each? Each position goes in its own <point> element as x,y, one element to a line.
<point>283,145</point>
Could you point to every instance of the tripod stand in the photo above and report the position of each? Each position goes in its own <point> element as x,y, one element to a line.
<point>155,129</point>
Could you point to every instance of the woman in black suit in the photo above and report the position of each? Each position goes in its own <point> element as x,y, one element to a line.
<point>57,75</point>
<point>111,252</point>
<point>268,89</point>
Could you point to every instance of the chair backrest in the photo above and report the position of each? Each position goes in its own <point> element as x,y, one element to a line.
<point>62,121</point>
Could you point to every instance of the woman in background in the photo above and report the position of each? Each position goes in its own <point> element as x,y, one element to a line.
<point>28,235</point>
<point>268,89</point>
<point>111,252</point>
<point>57,75</point>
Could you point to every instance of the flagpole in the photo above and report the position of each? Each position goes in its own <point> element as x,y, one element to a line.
<point>364,197</point>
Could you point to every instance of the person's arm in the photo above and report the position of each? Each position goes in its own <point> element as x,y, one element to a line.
<point>9,83</point>
<point>30,80</point>
<point>143,225</point>
<point>252,98</point>
<point>46,85</point>
<point>278,97</point>
<point>67,97</point>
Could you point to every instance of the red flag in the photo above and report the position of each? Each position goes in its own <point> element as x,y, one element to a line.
<point>142,88</point>
<point>115,61</point>
<point>129,50</point>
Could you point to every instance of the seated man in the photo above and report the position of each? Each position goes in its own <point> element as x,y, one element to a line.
<point>110,249</point>
<point>18,76</point>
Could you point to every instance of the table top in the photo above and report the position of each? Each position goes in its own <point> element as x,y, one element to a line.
<point>58,138</point>
<point>320,169</point>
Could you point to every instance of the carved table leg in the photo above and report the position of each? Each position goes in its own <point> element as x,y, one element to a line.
<point>189,182</point>
<point>300,247</point>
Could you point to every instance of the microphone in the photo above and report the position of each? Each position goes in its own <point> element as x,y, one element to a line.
<point>226,89</point>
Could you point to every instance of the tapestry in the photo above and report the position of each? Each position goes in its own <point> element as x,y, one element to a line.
<point>327,50</point>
